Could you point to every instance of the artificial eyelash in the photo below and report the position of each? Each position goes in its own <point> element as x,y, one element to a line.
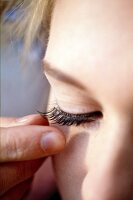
<point>56,115</point>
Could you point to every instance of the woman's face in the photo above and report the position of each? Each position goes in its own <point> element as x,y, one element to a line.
<point>89,64</point>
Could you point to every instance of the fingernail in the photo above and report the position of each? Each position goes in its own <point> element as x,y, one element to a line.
<point>32,118</point>
<point>24,119</point>
<point>52,142</point>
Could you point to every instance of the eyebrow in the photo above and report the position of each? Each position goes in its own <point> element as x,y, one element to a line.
<point>61,76</point>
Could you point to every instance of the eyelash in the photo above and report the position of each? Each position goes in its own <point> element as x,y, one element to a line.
<point>56,115</point>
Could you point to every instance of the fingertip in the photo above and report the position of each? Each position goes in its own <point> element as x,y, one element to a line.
<point>53,142</point>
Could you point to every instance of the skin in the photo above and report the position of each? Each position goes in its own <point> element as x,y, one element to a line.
<point>22,151</point>
<point>91,42</point>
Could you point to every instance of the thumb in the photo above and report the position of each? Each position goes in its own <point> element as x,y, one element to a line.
<point>29,142</point>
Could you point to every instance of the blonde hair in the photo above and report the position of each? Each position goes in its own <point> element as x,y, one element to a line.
<point>32,23</point>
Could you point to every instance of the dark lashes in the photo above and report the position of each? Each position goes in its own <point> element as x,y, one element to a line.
<point>56,115</point>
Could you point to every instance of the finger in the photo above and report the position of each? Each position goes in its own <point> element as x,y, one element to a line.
<point>29,142</point>
<point>14,173</point>
<point>5,121</point>
<point>35,119</point>
<point>44,184</point>
<point>18,192</point>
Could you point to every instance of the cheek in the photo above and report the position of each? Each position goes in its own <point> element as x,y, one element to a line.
<point>70,167</point>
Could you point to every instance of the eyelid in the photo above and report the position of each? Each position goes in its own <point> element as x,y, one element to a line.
<point>80,107</point>
<point>72,114</point>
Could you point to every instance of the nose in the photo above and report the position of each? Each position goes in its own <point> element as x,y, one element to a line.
<point>109,164</point>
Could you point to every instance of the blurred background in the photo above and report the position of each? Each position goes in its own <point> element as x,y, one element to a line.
<point>24,89</point>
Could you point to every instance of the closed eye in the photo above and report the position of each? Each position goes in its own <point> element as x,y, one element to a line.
<point>56,115</point>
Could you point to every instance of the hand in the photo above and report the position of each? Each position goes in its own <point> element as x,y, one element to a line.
<point>24,144</point>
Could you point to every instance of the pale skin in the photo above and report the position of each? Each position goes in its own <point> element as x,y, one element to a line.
<point>23,150</point>
<point>91,42</point>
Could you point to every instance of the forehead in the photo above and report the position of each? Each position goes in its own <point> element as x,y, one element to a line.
<point>86,33</point>
<point>93,41</point>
